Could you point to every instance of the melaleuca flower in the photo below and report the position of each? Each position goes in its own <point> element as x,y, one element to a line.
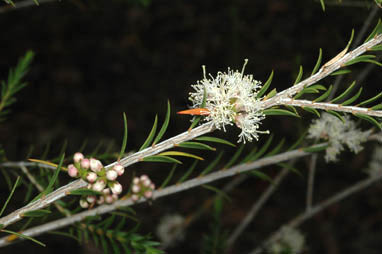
<point>119,169</point>
<point>171,229</point>
<point>78,157</point>
<point>142,187</point>
<point>230,98</point>
<point>95,165</point>
<point>99,185</point>
<point>338,133</point>
<point>72,171</point>
<point>91,177</point>
<point>116,188</point>
<point>111,175</point>
<point>291,241</point>
<point>85,163</point>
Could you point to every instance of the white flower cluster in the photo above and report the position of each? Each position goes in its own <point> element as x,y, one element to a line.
<point>375,165</point>
<point>231,98</point>
<point>338,134</point>
<point>142,187</point>
<point>292,241</point>
<point>99,179</point>
<point>171,229</point>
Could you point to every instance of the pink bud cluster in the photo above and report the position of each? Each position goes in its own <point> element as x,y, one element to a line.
<point>99,178</point>
<point>142,187</point>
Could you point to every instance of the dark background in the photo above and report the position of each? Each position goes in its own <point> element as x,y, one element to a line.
<point>97,59</point>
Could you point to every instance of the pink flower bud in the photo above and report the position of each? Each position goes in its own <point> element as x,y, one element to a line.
<point>95,165</point>
<point>116,188</point>
<point>85,163</point>
<point>109,199</point>
<point>135,188</point>
<point>91,177</point>
<point>78,157</point>
<point>111,175</point>
<point>152,186</point>
<point>146,182</point>
<point>148,194</point>
<point>72,170</point>
<point>119,169</point>
<point>99,185</point>
<point>136,180</point>
<point>84,203</point>
<point>91,199</point>
<point>115,197</point>
<point>144,177</point>
<point>100,200</point>
<point>106,191</point>
<point>135,197</point>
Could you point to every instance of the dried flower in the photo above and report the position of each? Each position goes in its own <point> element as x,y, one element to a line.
<point>338,134</point>
<point>231,98</point>
<point>171,229</point>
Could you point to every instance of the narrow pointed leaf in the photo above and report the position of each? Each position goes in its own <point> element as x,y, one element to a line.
<point>324,95</point>
<point>352,99</point>
<point>263,149</point>
<point>249,156</point>
<point>212,165</point>
<point>151,135</point>
<point>299,76</point>
<point>18,235</point>
<point>165,124</point>
<point>124,141</point>
<point>318,63</point>
<point>265,87</point>
<point>177,153</point>
<point>344,94</point>
<point>377,30</point>
<point>188,172</point>
<point>168,178</point>
<point>36,213</point>
<point>260,175</point>
<point>376,48</point>
<point>290,168</point>
<point>44,162</point>
<point>215,140</point>
<point>279,112</point>
<point>369,119</point>
<point>322,5</point>
<point>336,114</point>
<point>10,195</point>
<point>234,157</point>
<point>312,110</point>
<point>340,72</point>
<point>217,191</point>
<point>85,192</point>
<point>270,94</point>
<point>376,107</point>
<point>276,149</point>
<point>196,145</point>
<point>299,141</point>
<point>161,158</point>
<point>363,58</point>
<point>370,100</point>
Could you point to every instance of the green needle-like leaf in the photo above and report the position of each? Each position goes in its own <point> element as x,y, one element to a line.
<point>124,141</point>
<point>165,124</point>
<point>23,236</point>
<point>315,149</point>
<point>234,157</point>
<point>177,153</point>
<point>279,112</point>
<point>312,110</point>
<point>318,63</point>
<point>212,165</point>
<point>377,30</point>
<point>299,76</point>
<point>260,175</point>
<point>188,172</point>
<point>324,95</point>
<point>215,140</point>
<point>352,99</point>
<point>161,158</point>
<point>265,87</point>
<point>263,149</point>
<point>36,213</point>
<point>10,195</point>
<point>370,100</point>
<point>84,192</point>
<point>369,119</point>
<point>151,135</point>
<point>196,145</point>
<point>340,72</point>
<point>344,94</point>
<point>168,178</point>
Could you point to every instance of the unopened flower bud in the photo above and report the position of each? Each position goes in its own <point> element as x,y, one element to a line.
<point>152,186</point>
<point>135,197</point>
<point>136,180</point>
<point>91,199</point>
<point>111,175</point>
<point>84,203</point>
<point>116,188</point>
<point>115,197</point>
<point>91,177</point>
<point>148,194</point>
<point>146,182</point>
<point>85,163</point>
<point>144,177</point>
<point>78,157</point>
<point>135,188</point>
<point>106,191</point>
<point>99,185</point>
<point>95,165</point>
<point>109,199</point>
<point>119,169</point>
<point>100,200</point>
<point>72,171</point>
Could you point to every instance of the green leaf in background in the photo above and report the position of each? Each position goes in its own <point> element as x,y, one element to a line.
<point>161,158</point>
<point>177,153</point>
<point>265,87</point>
<point>151,135</point>
<point>215,140</point>
<point>125,133</point>
<point>165,124</point>
<point>36,213</point>
<point>196,145</point>
<point>279,112</point>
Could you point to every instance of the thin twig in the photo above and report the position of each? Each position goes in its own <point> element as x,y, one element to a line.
<point>256,207</point>
<point>312,172</point>
<point>331,106</point>
<point>297,221</point>
<point>57,224</point>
